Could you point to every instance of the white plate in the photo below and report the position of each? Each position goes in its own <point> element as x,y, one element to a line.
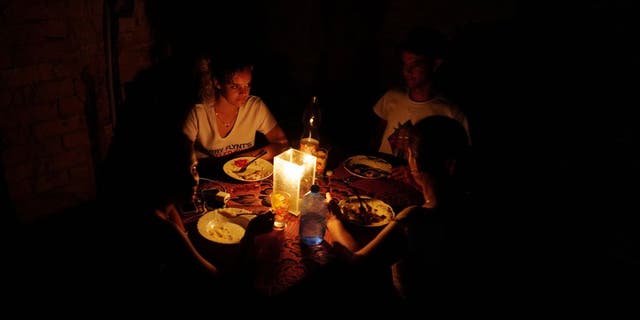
<point>378,212</point>
<point>368,167</point>
<point>221,226</point>
<point>258,170</point>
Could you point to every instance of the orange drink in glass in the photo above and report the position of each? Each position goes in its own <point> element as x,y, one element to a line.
<point>309,145</point>
<point>280,208</point>
<point>321,160</point>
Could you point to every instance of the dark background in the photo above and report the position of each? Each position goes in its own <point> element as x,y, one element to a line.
<point>549,89</point>
<point>343,51</point>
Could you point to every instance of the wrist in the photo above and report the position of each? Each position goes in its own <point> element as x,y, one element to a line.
<point>333,221</point>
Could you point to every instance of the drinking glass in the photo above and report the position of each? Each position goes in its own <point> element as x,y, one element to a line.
<point>280,208</point>
<point>309,145</point>
<point>321,160</point>
<point>198,203</point>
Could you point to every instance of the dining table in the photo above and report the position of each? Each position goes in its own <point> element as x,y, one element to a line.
<point>278,258</point>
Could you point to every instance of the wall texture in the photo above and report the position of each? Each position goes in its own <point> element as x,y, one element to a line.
<point>55,116</point>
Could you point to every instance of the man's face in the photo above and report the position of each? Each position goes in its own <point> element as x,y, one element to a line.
<point>416,69</point>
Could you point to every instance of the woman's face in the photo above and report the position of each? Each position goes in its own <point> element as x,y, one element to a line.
<point>237,88</point>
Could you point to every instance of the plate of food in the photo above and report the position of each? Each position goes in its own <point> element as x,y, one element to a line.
<point>225,225</point>
<point>256,171</point>
<point>377,214</point>
<point>368,167</point>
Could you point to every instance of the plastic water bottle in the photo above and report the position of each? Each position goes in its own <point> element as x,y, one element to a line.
<point>313,217</point>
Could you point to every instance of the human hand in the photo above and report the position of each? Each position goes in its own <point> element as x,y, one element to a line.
<point>334,211</point>
<point>260,224</point>
<point>401,173</point>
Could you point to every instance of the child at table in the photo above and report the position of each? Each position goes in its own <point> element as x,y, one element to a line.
<point>423,235</point>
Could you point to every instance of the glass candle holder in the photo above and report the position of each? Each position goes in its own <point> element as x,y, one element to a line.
<point>294,172</point>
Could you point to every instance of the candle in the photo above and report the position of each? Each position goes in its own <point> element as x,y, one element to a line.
<point>294,173</point>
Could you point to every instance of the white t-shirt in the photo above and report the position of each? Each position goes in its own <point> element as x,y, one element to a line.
<point>397,108</point>
<point>201,127</point>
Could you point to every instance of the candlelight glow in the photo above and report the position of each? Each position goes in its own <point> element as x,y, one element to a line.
<point>294,172</point>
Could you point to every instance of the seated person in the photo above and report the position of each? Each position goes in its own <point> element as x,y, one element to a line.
<point>226,124</point>
<point>421,54</point>
<point>432,233</point>
<point>144,236</point>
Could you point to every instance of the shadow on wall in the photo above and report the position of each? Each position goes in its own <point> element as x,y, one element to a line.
<point>156,103</point>
<point>160,97</point>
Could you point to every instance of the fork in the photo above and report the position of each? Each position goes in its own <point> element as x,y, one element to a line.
<point>363,206</point>
<point>244,168</point>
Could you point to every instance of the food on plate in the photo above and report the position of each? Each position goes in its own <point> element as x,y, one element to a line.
<point>226,232</point>
<point>254,172</point>
<point>224,225</point>
<point>377,212</point>
<point>240,163</point>
<point>375,163</point>
<point>368,172</point>
<point>233,212</point>
<point>368,167</point>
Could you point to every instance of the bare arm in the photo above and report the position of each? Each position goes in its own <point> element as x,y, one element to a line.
<point>381,248</point>
<point>385,247</point>
<point>337,230</point>
<point>190,127</point>
<point>171,215</point>
<point>277,144</point>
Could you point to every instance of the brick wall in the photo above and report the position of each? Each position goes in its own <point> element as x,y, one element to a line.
<point>55,119</point>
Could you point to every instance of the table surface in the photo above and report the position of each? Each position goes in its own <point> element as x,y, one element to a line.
<point>279,259</point>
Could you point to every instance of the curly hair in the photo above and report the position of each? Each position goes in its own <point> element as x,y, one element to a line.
<point>224,65</point>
